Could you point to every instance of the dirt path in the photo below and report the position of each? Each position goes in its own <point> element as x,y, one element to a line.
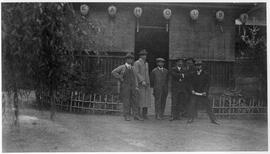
<point>84,133</point>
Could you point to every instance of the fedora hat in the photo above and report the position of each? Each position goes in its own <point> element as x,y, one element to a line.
<point>189,60</point>
<point>129,55</point>
<point>143,52</point>
<point>198,62</point>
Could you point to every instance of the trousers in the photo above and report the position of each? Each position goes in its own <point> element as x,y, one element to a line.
<point>178,101</point>
<point>205,102</point>
<point>160,102</point>
<point>129,99</point>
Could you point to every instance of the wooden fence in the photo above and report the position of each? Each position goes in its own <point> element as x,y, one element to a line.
<point>104,64</point>
<point>221,72</point>
<point>224,106</point>
<point>91,103</point>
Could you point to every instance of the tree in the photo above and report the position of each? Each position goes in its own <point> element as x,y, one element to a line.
<point>39,44</point>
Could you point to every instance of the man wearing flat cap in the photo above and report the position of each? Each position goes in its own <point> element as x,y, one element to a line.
<point>200,82</point>
<point>126,75</point>
<point>179,89</point>
<point>141,69</point>
<point>159,83</point>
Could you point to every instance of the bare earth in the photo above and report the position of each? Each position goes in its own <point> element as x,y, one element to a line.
<point>89,133</point>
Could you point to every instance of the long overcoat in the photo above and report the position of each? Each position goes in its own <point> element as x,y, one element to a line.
<point>142,74</point>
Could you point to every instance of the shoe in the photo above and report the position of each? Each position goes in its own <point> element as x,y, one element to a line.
<point>190,121</point>
<point>159,118</point>
<point>214,122</point>
<point>172,119</point>
<point>138,118</point>
<point>127,118</point>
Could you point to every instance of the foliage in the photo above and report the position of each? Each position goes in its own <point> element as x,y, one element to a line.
<point>40,41</point>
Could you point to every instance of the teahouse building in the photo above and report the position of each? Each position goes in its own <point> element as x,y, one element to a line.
<point>204,31</point>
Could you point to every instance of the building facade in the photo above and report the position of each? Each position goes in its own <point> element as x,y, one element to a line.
<point>136,26</point>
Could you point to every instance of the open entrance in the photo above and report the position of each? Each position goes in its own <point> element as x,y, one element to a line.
<point>152,36</point>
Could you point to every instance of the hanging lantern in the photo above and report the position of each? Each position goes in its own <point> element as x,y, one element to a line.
<point>84,9</point>
<point>138,12</point>
<point>194,14</point>
<point>243,18</point>
<point>220,15</point>
<point>112,10</point>
<point>167,13</point>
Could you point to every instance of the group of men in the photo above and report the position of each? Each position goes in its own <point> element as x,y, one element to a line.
<point>189,86</point>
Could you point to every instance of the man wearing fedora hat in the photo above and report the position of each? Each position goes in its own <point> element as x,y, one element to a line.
<point>179,89</point>
<point>141,69</point>
<point>126,75</point>
<point>200,82</point>
<point>190,69</point>
<point>159,82</point>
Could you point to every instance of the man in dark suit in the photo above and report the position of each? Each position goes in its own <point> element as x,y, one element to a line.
<point>126,75</point>
<point>179,89</point>
<point>200,82</point>
<point>190,69</point>
<point>159,83</point>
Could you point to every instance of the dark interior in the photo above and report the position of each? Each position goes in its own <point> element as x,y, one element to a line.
<point>152,36</point>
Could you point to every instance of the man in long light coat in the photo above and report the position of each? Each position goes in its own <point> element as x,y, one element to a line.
<point>141,69</point>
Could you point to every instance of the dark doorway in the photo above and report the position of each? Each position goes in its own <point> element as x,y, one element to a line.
<point>152,36</point>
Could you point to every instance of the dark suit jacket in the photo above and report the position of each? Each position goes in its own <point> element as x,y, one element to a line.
<point>159,80</point>
<point>200,83</point>
<point>189,74</point>
<point>179,86</point>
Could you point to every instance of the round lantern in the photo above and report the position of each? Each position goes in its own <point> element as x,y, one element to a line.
<point>220,15</point>
<point>194,14</point>
<point>84,9</point>
<point>138,12</point>
<point>243,18</point>
<point>112,10</point>
<point>167,13</point>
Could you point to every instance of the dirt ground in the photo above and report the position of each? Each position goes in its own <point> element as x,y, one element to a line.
<point>91,133</point>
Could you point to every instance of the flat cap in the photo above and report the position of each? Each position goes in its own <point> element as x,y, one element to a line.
<point>160,59</point>
<point>129,55</point>
<point>143,52</point>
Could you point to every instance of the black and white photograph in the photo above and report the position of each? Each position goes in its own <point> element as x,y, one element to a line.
<point>134,76</point>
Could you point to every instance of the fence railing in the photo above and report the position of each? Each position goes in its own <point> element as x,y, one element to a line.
<point>93,103</point>
<point>222,105</point>
<point>105,64</point>
<point>221,72</point>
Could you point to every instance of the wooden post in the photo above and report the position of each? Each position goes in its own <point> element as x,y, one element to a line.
<point>230,102</point>
<point>94,104</point>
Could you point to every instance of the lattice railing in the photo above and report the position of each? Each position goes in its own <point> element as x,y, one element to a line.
<point>94,103</point>
<point>224,105</point>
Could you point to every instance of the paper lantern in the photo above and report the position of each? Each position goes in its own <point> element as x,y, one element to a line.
<point>167,13</point>
<point>220,15</point>
<point>243,18</point>
<point>84,9</point>
<point>194,14</point>
<point>112,10</point>
<point>138,12</point>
